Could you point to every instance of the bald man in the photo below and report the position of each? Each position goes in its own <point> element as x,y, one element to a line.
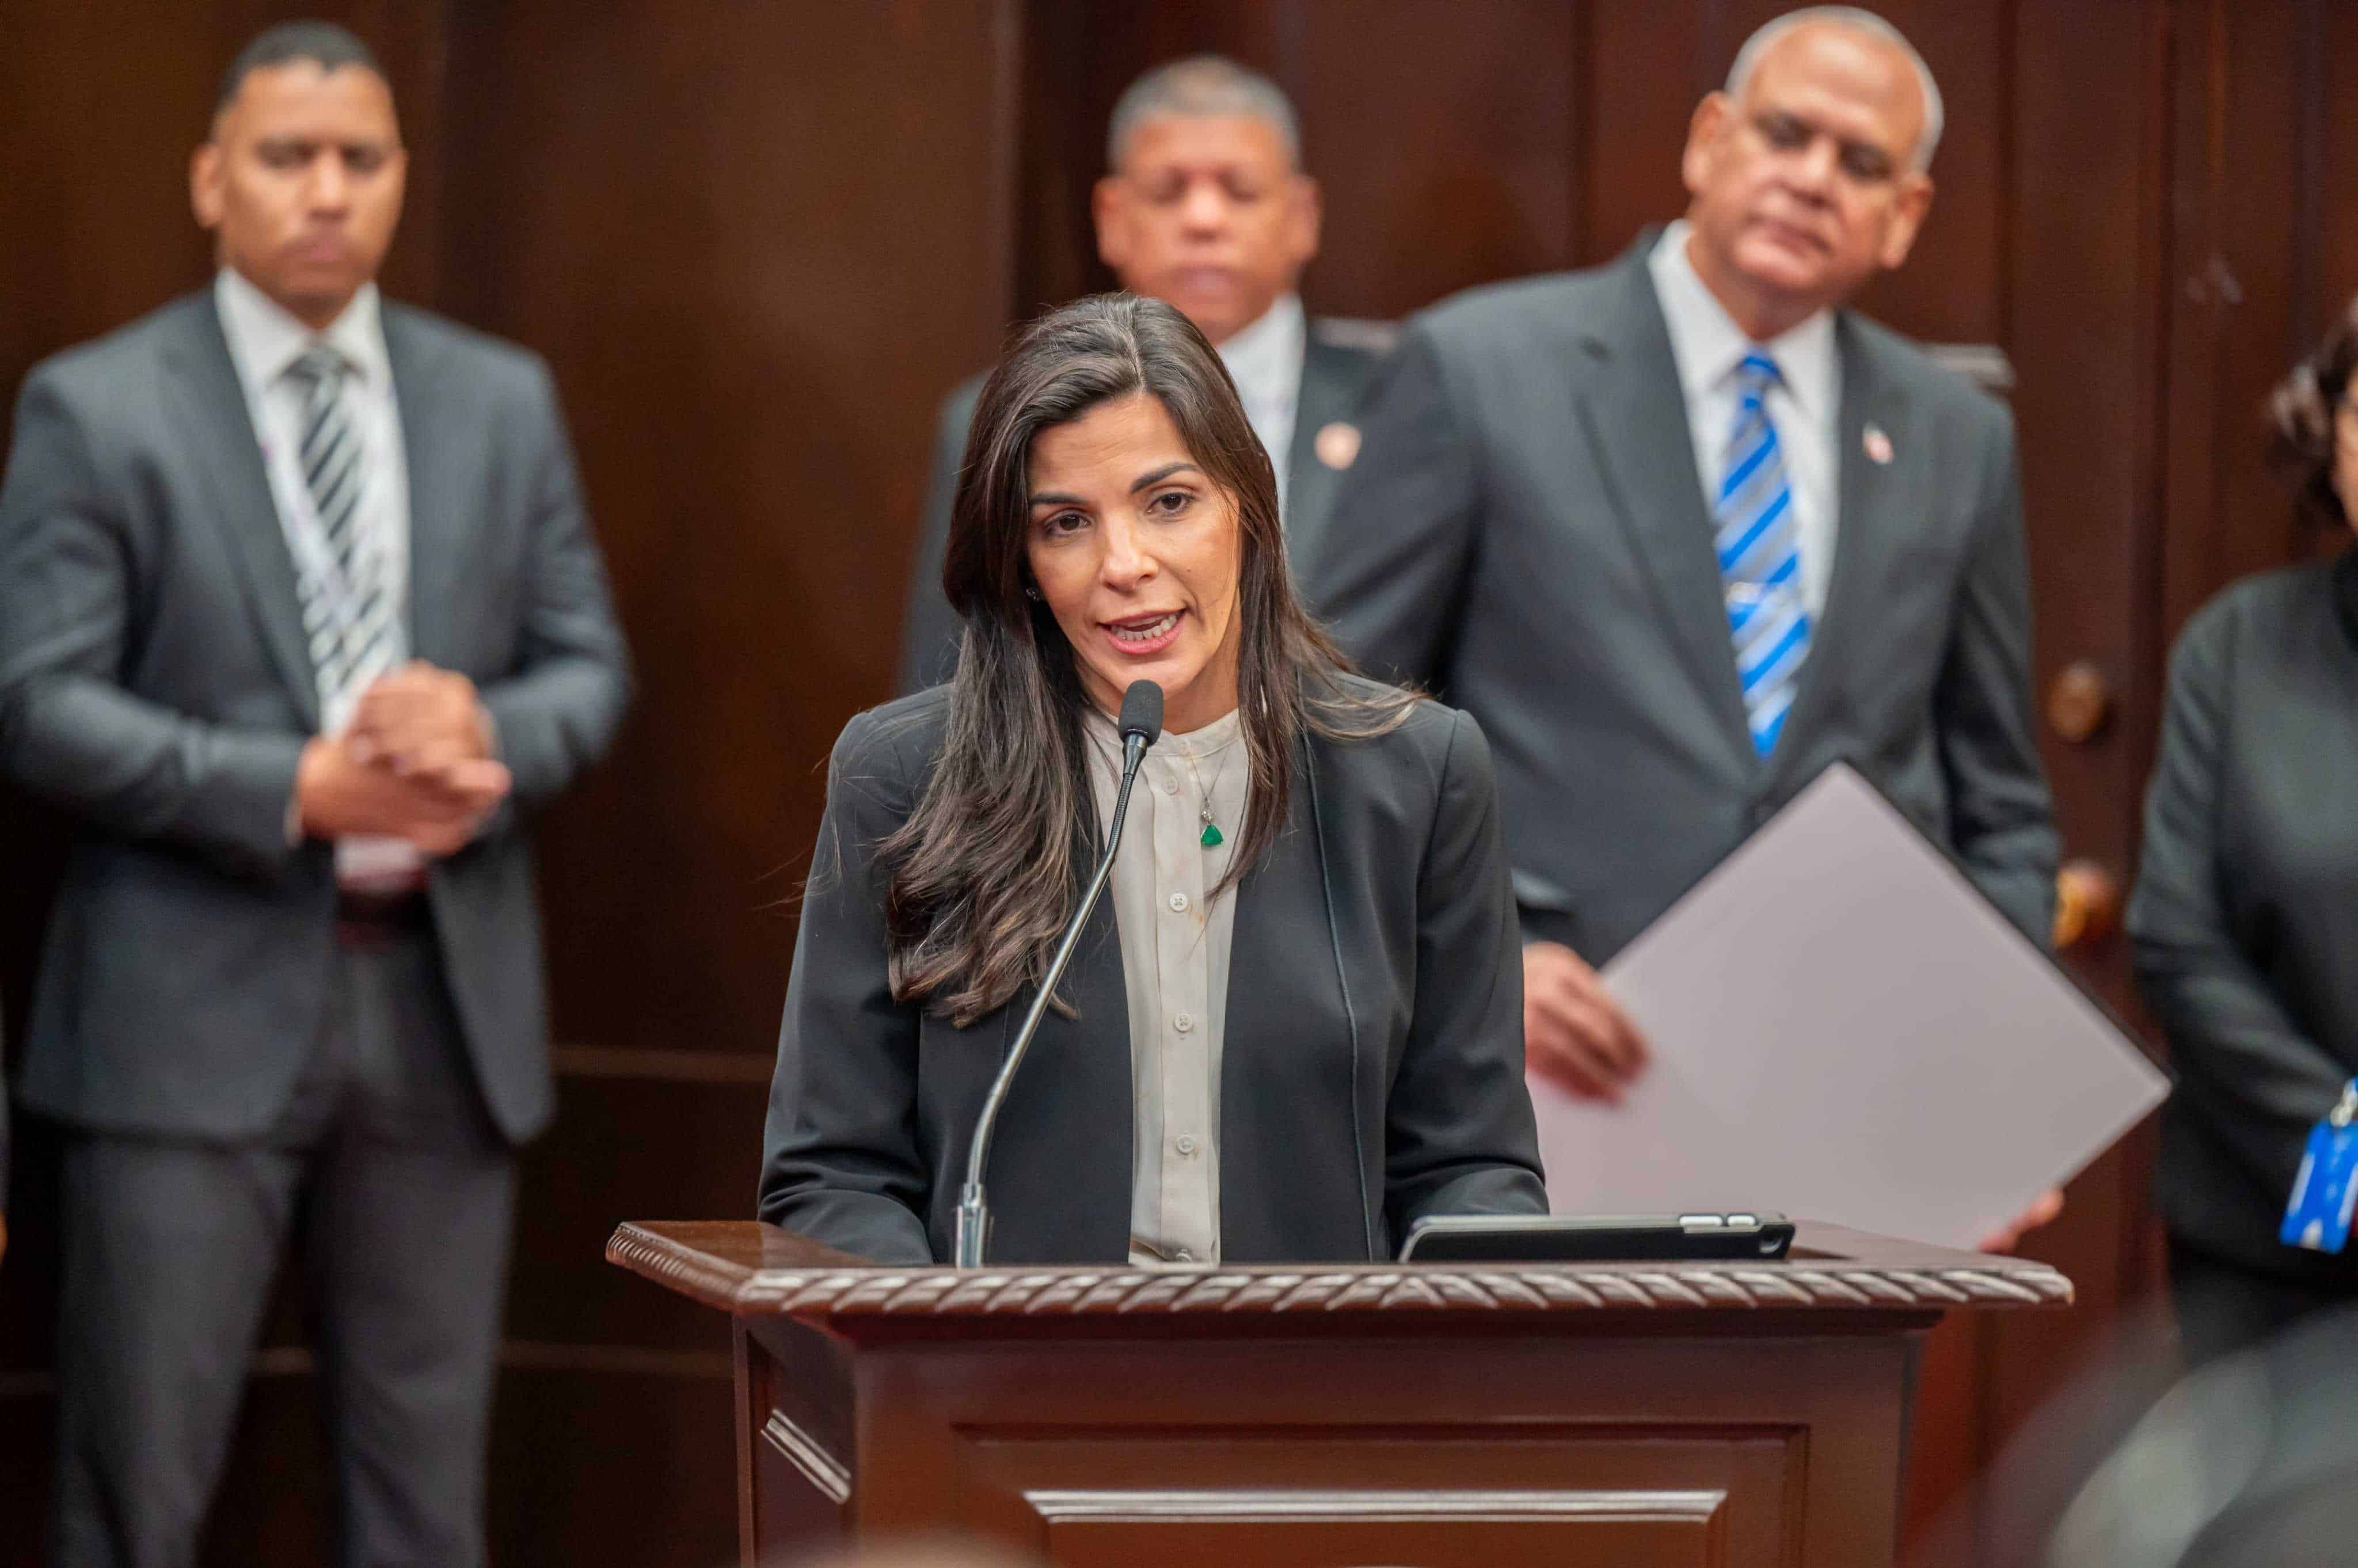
<point>1204,206</point>
<point>1683,532</point>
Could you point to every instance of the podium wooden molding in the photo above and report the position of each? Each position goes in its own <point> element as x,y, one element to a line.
<point>1448,1417</point>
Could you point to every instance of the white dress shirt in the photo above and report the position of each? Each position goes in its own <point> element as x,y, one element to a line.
<point>1805,406</point>
<point>1265,362</point>
<point>1175,959</point>
<point>265,341</point>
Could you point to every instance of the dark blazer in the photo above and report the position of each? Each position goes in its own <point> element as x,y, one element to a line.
<point>1525,532</point>
<point>1372,1069</point>
<point>1337,363</point>
<point>2246,914</point>
<point>154,680</point>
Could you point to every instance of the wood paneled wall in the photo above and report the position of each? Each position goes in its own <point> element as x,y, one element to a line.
<point>758,241</point>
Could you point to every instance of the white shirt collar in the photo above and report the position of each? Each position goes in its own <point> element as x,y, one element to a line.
<point>1205,741</point>
<point>1709,345</point>
<point>264,337</point>
<point>1265,358</point>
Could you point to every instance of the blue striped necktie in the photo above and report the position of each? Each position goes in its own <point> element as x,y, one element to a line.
<point>1761,558</point>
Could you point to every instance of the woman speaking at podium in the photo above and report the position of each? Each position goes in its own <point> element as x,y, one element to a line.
<point>1293,1026</point>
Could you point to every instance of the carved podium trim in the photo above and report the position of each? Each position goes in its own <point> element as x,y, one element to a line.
<point>794,1277</point>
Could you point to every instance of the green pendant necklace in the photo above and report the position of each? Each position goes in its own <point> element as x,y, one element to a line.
<point>1211,838</point>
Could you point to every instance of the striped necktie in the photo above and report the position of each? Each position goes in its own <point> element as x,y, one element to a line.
<point>348,617</point>
<point>1761,558</point>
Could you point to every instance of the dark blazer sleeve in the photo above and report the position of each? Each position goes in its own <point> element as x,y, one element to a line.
<point>840,1162</point>
<point>68,732</point>
<point>931,629</point>
<point>1459,1135</point>
<point>2261,1080</point>
<point>1388,572</point>
<point>2001,821</point>
<point>557,713</point>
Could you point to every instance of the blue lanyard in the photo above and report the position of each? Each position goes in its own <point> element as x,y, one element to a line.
<point>2317,1216</point>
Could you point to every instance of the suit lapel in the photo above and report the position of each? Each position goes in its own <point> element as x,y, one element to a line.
<point>1872,506</point>
<point>1332,381</point>
<point>208,402</point>
<point>442,489</point>
<point>1635,416</point>
<point>1282,1008</point>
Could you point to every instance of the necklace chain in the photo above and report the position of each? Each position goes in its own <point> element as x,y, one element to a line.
<point>1212,836</point>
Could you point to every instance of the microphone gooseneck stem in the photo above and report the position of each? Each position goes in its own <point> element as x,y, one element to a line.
<point>973,1211</point>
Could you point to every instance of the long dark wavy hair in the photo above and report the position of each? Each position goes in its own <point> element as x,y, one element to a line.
<point>984,873</point>
<point>2302,412</point>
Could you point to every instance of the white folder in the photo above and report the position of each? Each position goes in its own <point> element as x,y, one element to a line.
<point>1845,1030</point>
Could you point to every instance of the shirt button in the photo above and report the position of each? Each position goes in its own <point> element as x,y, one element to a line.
<point>1186,1143</point>
<point>1183,1256</point>
<point>1179,903</point>
<point>1170,784</point>
<point>1184,1022</point>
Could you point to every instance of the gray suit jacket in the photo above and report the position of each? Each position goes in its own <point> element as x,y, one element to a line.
<point>1525,532</point>
<point>154,680</point>
<point>1372,1071</point>
<point>2246,916</point>
<point>1337,363</point>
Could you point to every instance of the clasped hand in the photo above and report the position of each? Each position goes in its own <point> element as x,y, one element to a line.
<point>414,764</point>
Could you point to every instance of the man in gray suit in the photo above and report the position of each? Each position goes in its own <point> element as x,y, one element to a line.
<point>1683,532</point>
<point>299,613</point>
<point>1205,207</point>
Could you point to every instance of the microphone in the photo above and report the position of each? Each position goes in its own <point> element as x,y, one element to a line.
<point>1142,722</point>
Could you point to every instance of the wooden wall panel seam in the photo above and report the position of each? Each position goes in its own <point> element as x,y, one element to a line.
<point>1006,200</point>
<point>282,1361</point>
<point>752,1067</point>
<point>2310,86</point>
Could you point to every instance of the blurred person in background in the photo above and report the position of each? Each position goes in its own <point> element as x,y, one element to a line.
<point>2250,1462</point>
<point>1685,531</point>
<point>2244,918</point>
<point>2130,1461</point>
<point>1292,1025</point>
<point>299,613</point>
<point>1204,206</point>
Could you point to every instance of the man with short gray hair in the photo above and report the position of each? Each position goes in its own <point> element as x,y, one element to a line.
<point>1204,206</point>
<point>1683,532</point>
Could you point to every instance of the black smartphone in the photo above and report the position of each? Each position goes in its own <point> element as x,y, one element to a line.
<point>1597,1238</point>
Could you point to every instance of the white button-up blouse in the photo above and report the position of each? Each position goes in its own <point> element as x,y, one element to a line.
<point>1174,955</point>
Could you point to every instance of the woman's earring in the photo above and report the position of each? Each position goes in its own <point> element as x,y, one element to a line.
<point>1034,595</point>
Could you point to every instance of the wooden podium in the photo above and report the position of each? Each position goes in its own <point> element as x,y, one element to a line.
<point>1450,1417</point>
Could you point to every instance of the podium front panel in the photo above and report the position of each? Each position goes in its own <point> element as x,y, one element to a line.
<point>1334,1419</point>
